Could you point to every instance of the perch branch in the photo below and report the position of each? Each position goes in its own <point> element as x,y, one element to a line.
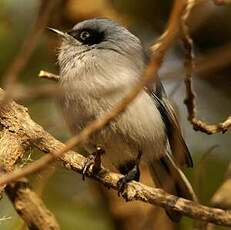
<point>190,94</point>
<point>16,118</point>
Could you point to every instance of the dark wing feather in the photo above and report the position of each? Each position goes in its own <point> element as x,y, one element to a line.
<point>176,141</point>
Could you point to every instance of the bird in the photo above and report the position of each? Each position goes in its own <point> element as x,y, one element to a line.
<point>100,62</point>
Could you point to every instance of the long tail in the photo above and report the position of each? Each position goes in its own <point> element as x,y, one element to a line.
<point>167,175</point>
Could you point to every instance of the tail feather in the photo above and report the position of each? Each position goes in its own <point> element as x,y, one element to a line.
<point>167,175</point>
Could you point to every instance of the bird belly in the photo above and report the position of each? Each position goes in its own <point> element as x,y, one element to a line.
<point>139,128</point>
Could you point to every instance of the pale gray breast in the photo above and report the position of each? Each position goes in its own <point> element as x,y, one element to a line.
<point>91,94</point>
<point>139,128</point>
<point>94,88</point>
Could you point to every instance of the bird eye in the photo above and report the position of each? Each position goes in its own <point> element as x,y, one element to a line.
<point>87,36</point>
<point>84,35</point>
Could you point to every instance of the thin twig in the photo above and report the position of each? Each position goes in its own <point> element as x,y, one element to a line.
<point>190,97</point>
<point>48,75</point>
<point>187,41</point>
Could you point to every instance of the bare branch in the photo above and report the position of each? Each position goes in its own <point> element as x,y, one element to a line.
<point>172,30</point>
<point>16,118</point>
<point>30,207</point>
<point>190,94</point>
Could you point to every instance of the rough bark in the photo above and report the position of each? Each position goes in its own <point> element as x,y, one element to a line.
<point>30,207</point>
<point>13,145</point>
<point>16,118</point>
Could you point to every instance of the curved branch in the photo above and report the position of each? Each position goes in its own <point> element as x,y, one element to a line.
<point>16,118</point>
<point>190,94</point>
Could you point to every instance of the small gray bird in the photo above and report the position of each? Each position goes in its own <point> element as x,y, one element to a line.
<point>100,62</point>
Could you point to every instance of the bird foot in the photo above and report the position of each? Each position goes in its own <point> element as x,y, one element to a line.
<point>92,164</point>
<point>133,174</point>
